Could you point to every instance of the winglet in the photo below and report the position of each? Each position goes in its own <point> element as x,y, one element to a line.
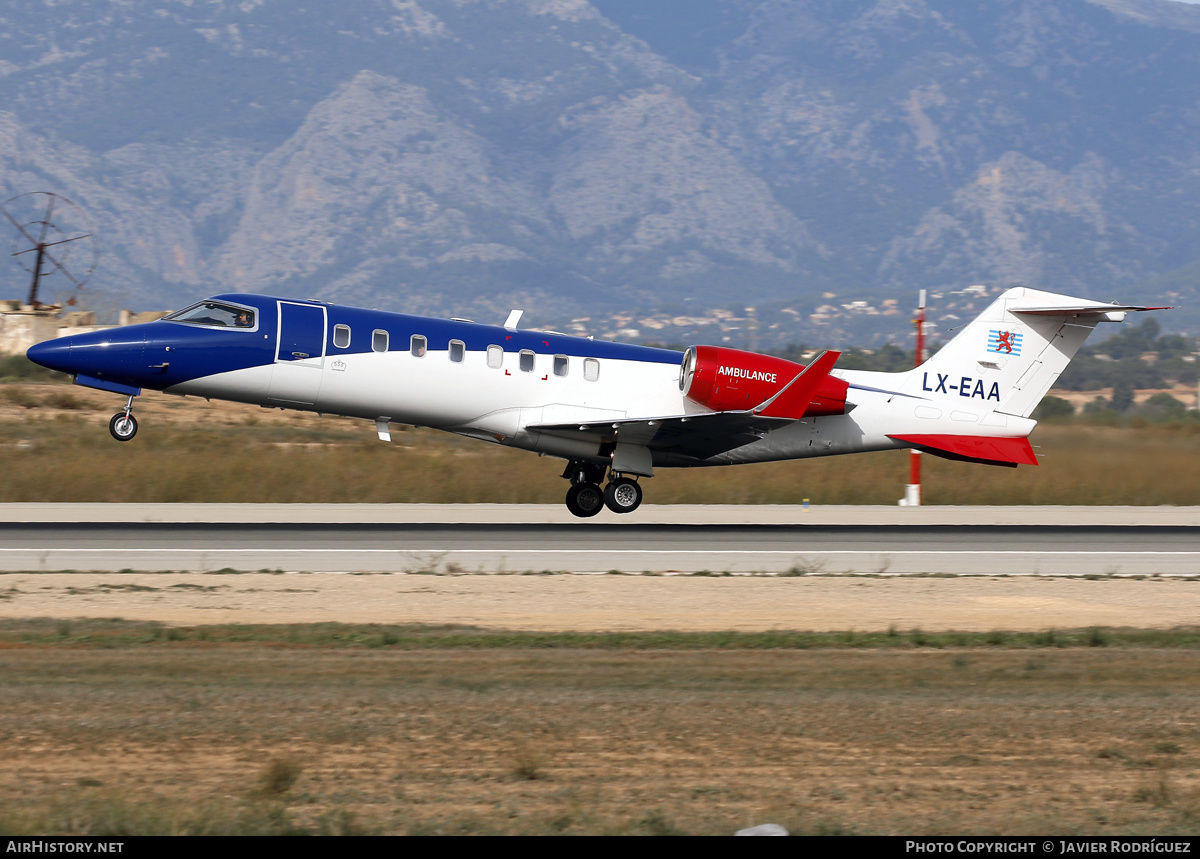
<point>796,396</point>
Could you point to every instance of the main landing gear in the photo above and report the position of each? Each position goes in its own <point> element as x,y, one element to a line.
<point>585,498</point>
<point>123,425</point>
<point>622,495</point>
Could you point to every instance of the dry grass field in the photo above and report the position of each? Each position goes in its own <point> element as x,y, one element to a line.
<point>191,732</point>
<point>192,450</point>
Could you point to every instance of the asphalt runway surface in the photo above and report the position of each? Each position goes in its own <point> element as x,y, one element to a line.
<point>626,545</point>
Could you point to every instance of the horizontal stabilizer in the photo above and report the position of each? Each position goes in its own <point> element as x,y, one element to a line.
<point>1084,309</point>
<point>796,397</point>
<point>1010,452</point>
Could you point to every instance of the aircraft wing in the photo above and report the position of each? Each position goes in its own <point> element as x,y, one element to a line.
<point>701,435</point>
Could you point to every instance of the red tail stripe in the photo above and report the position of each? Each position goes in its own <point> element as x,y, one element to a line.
<point>1015,450</point>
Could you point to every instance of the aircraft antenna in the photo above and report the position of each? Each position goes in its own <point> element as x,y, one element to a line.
<point>52,235</point>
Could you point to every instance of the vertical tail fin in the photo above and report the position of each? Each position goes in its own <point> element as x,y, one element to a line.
<point>1012,353</point>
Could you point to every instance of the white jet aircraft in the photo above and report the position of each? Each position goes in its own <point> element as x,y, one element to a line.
<point>614,411</point>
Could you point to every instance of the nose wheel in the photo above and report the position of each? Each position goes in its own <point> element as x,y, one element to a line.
<point>123,425</point>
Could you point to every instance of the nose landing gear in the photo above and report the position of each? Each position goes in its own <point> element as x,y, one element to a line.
<point>123,425</point>
<point>585,498</point>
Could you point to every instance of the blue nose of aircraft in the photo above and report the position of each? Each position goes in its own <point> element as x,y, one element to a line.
<point>113,355</point>
<point>53,354</point>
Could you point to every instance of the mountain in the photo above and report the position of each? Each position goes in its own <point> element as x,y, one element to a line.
<point>617,159</point>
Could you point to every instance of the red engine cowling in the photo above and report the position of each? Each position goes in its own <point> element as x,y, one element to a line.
<point>729,380</point>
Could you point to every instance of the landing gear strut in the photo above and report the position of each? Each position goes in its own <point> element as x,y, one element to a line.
<point>585,498</point>
<point>123,425</point>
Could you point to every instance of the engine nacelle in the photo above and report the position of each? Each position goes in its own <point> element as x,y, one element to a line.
<point>730,380</point>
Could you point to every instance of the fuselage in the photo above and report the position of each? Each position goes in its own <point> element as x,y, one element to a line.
<point>497,384</point>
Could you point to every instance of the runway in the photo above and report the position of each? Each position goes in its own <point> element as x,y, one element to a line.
<point>494,539</point>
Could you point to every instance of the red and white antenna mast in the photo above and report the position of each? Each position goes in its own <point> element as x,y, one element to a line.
<point>912,492</point>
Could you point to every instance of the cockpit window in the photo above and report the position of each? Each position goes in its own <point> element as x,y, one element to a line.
<point>215,313</point>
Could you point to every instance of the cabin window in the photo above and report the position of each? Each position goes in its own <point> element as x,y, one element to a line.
<point>457,350</point>
<point>495,357</point>
<point>341,336</point>
<point>418,345</point>
<point>379,341</point>
<point>591,369</point>
<point>561,365</point>
<point>526,361</point>
<point>215,314</point>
